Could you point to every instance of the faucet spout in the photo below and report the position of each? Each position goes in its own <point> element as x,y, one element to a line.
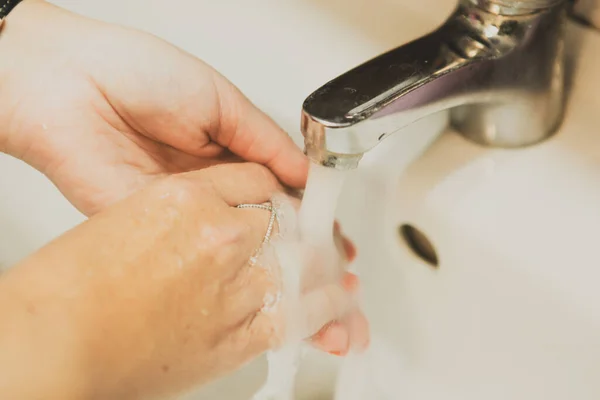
<point>500,74</point>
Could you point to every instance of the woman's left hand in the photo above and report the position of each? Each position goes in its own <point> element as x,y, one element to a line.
<point>155,294</point>
<point>101,109</point>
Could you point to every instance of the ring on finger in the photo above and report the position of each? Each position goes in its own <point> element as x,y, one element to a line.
<point>268,206</point>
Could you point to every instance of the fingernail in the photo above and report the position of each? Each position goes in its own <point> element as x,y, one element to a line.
<point>361,335</point>
<point>338,353</point>
<point>350,282</point>
<point>333,339</point>
<point>317,336</point>
<point>349,249</point>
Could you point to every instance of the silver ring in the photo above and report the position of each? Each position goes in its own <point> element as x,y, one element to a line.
<point>267,207</point>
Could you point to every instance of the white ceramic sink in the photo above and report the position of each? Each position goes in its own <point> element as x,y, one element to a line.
<point>513,309</point>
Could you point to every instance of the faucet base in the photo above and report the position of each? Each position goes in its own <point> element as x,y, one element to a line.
<point>500,75</point>
<point>527,104</point>
<point>505,125</point>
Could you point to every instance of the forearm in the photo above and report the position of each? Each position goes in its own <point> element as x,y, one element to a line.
<point>67,326</point>
<point>40,355</point>
<point>80,312</point>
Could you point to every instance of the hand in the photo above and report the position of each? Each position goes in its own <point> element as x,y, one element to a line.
<point>102,110</point>
<point>151,296</point>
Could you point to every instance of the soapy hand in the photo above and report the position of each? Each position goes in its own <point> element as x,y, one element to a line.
<point>324,281</point>
<point>101,110</point>
<point>152,295</point>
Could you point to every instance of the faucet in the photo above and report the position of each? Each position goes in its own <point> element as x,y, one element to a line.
<point>497,65</point>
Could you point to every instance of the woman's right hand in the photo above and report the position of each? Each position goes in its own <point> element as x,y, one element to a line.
<point>149,297</point>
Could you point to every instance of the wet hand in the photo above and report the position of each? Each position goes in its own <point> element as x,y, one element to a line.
<point>102,110</point>
<point>153,295</point>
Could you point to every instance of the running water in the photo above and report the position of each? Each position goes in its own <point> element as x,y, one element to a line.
<point>315,222</point>
<point>308,256</point>
<point>317,212</point>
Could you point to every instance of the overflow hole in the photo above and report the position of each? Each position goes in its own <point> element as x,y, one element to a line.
<point>419,244</point>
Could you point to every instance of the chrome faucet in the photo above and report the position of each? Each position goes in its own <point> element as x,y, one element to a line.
<point>498,65</point>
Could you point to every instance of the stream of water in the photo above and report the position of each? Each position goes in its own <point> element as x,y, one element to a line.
<point>308,257</point>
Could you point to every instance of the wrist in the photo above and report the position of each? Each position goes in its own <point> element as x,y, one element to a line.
<point>38,42</point>
<point>40,345</point>
<point>13,45</point>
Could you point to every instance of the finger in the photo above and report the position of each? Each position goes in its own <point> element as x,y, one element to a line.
<point>329,295</point>
<point>249,250</point>
<point>339,337</point>
<point>333,338</point>
<point>257,137</point>
<point>264,320</point>
<point>257,333</point>
<point>251,290</point>
<point>355,322</point>
<point>321,306</point>
<point>242,183</point>
<point>177,161</point>
<point>337,230</point>
<point>349,249</point>
<point>185,103</point>
<point>261,221</point>
<point>350,283</point>
<point>358,327</point>
<point>346,245</point>
<point>264,331</point>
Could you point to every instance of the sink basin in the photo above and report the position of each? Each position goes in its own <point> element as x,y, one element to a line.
<point>510,311</point>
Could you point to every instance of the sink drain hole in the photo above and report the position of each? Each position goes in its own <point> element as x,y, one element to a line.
<point>419,244</point>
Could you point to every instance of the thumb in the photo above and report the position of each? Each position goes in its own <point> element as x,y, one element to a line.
<point>184,103</point>
<point>255,137</point>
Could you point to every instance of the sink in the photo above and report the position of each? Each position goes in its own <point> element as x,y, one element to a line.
<point>511,311</point>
